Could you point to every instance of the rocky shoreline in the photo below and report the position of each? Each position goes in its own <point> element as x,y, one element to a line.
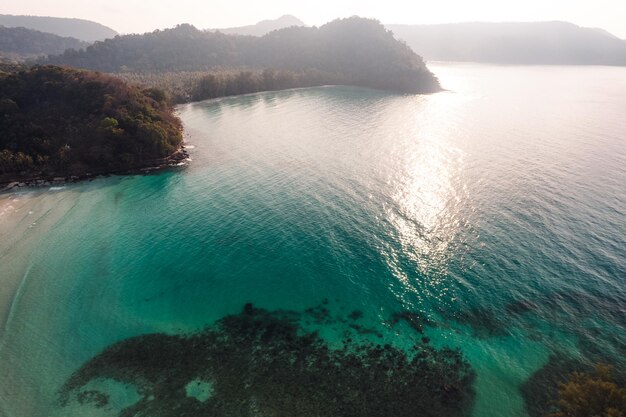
<point>179,158</point>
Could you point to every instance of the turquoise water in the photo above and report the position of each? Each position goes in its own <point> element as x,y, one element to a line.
<point>496,208</point>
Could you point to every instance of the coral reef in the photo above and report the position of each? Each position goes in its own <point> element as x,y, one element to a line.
<point>263,363</point>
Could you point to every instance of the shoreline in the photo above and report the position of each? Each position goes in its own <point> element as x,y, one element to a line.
<point>21,217</point>
<point>177,159</point>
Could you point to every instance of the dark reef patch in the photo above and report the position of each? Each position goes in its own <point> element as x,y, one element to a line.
<point>362,330</point>
<point>320,314</point>
<point>262,363</point>
<point>483,322</point>
<point>541,390</point>
<point>414,319</point>
<point>355,315</point>
<point>518,307</point>
<point>97,398</point>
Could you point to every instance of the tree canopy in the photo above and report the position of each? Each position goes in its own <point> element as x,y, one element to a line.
<point>65,121</point>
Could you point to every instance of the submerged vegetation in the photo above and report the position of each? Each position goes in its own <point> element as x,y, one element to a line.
<point>574,387</point>
<point>351,51</point>
<point>59,121</point>
<point>591,394</point>
<point>261,362</point>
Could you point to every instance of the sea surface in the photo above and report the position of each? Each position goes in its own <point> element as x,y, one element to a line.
<point>497,209</point>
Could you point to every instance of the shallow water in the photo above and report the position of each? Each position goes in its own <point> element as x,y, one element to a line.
<point>496,208</point>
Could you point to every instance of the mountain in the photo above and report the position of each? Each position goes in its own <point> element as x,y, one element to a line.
<point>85,30</point>
<point>264,27</point>
<point>557,43</point>
<point>18,44</point>
<point>352,51</point>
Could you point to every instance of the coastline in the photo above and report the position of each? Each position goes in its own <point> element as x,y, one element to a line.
<point>177,159</point>
<point>19,214</point>
<point>22,212</point>
<point>24,215</point>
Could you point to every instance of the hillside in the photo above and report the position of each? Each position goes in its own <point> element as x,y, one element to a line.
<point>59,121</point>
<point>557,43</point>
<point>20,43</point>
<point>354,51</point>
<point>85,30</point>
<point>264,27</point>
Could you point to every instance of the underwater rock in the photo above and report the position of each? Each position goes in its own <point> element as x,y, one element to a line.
<point>520,307</point>
<point>355,315</point>
<point>484,323</point>
<point>541,390</point>
<point>262,363</point>
<point>415,320</point>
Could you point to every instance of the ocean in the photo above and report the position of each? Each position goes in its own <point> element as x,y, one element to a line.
<point>494,211</point>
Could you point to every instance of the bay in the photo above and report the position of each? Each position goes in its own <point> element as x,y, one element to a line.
<point>496,209</point>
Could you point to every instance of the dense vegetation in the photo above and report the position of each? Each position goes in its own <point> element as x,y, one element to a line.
<point>351,51</point>
<point>57,121</point>
<point>22,43</point>
<point>84,30</point>
<point>183,87</point>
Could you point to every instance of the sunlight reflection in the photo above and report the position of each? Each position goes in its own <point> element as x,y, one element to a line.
<point>428,198</point>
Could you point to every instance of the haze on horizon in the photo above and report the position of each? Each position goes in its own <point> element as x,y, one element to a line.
<point>134,16</point>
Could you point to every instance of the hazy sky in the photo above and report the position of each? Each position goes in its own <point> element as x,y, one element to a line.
<point>141,16</point>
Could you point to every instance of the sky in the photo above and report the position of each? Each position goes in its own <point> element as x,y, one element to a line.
<point>137,16</point>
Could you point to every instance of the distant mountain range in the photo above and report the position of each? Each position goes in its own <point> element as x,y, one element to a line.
<point>85,30</point>
<point>19,44</point>
<point>535,43</point>
<point>264,27</point>
<point>557,43</point>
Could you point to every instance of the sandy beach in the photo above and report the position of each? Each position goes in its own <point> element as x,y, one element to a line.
<point>25,215</point>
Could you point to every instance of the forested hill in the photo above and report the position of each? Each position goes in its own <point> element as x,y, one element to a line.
<point>27,43</point>
<point>58,121</point>
<point>554,43</point>
<point>85,30</point>
<point>356,51</point>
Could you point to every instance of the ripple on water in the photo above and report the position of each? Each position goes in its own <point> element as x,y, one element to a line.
<point>489,218</point>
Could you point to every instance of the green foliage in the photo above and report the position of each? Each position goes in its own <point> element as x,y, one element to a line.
<point>65,121</point>
<point>593,394</point>
<point>183,87</point>
<point>351,51</point>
